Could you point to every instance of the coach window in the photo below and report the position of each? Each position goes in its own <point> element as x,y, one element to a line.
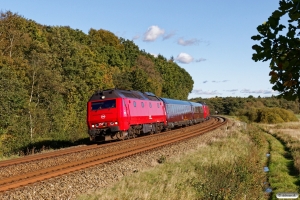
<point>142,104</point>
<point>134,104</point>
<point>150,105</point>
<point>158,105</point>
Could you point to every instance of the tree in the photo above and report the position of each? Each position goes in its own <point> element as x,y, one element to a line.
<point>14,39</point>
<point>153,78</point>
<point>131,51</point>
<point>105,38</point>
<point>282,47</point>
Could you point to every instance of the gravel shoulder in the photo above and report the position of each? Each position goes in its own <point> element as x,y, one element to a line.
<point>71,185</point>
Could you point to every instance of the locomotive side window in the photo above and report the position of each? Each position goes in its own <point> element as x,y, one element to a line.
<point>142,104</point>
<point>134,104</point>
<point>150,105</point>
<point>158,105</point>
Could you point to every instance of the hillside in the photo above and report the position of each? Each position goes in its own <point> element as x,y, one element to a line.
<point>48,74</point>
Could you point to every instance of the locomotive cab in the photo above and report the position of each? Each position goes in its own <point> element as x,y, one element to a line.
<point>106,118</point>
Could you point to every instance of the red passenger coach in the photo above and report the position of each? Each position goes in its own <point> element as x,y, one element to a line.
<point>182,113</point>
<point>198,112</point>
<point>206,113</point>
<point>120,114</point>
<point>178,112</point>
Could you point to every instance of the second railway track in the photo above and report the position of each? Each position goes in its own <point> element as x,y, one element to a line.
<point>46,173</point>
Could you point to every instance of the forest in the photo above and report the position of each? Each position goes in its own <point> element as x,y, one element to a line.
<point>249,109</point>
<point>48,73</point>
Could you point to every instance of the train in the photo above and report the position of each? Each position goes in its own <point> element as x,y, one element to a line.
<point>117,114</point>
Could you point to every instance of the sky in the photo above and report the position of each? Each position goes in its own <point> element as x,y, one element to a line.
<point>210,39</point>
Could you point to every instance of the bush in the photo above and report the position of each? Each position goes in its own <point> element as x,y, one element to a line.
<point>269,115</point>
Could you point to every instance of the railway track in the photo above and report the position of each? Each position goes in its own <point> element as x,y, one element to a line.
<point>43,174</point>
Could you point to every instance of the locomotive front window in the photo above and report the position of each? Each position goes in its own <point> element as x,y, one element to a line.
<point>99,105</point>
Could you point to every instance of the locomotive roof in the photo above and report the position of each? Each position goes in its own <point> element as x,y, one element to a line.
<point>117,93</point>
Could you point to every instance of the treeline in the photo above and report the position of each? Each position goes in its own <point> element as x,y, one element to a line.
<point>47,74</point>
<point>250,109</point>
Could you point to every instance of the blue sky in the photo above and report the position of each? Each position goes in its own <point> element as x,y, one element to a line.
<point>210,39</point>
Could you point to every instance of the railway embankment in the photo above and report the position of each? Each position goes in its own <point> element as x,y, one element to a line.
<point>247,161</point>
<point>70,185</point>
<point>226,164</point>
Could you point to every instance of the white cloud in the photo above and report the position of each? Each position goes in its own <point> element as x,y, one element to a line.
<point>184,58</point>
<point>220,81</point>
<point>233,90</point>
<point>190,42</point>
<point>135,37</point>
<point>200,60</point>
<point>153,33</point>
<point>168,36</point>
<point>258,91</point>
<point>201,92</point>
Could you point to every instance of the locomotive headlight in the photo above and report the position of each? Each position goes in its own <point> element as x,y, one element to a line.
<point>93,126</point>
<point>103,97</point>
<point>116,123</point>
<point>111,123</point>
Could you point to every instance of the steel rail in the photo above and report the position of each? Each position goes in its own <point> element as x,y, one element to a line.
<point>62,152</point>
<point>32,177</point>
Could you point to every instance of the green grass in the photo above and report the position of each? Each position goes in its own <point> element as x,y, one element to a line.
<point>284,165</point>
<point>282,175</point>
<point>2,158</point>
<point>230,167</point>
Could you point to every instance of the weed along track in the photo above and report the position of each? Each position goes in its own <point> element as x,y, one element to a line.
<point>89,156</point>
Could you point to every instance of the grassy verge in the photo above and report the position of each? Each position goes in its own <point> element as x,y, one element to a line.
<point>289,135</point>
<point>284,174</point>
<point>231,167</point>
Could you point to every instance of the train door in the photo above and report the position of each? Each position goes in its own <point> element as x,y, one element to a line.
<point>149,108</point>
<point>127,111</point>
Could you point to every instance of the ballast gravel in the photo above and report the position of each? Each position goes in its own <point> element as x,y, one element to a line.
<point>69,186</point>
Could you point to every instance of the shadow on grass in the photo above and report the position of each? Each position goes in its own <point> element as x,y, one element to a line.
<point>292,170</point>
<point>38,147</point>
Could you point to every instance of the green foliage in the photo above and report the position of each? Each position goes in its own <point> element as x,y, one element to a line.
<point>177,82</point>
<point>48,73</point>
<point>104,38</point>
<point>283,176</point>
<point>238,105</point>
<point>282,50</point>
<point>149,75</point>
<point>270,115</point>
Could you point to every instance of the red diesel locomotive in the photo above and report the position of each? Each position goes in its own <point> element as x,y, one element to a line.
<point>116,114</point>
